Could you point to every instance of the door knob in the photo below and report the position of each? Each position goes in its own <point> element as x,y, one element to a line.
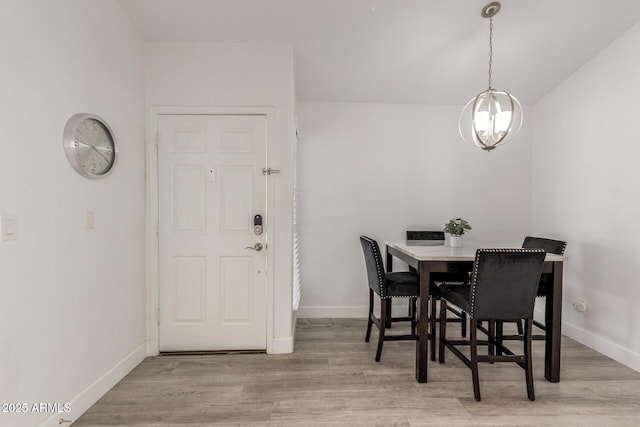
<point>257,247</point>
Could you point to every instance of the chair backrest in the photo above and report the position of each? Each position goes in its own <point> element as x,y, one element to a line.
<point>549,245</point>
<point>425,238</point>
<point>504,283</point>
<point>375,267</point>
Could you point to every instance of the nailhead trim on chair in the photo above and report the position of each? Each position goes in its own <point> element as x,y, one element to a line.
<point>380,270</point>
<point>475,270</point>
<point>400,296</point>
<point>379,266</point>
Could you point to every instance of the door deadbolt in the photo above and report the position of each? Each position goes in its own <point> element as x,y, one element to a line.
<point>257,225</point>
<point>257,247</point>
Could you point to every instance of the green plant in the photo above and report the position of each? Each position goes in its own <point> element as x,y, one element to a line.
<point>456,227</point>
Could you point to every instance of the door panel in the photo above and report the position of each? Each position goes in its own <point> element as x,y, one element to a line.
<point>190,285</point>
<point>235,286</point>
<point>189,198</point>
<point>212,287</point>
<point>236,198</point>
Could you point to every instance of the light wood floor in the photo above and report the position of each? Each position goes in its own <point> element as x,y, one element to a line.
<point>332,380</point>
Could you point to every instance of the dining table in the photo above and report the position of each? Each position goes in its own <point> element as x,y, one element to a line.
<point>444,258</point>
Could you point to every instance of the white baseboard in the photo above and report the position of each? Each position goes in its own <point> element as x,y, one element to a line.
<point>345,312</point>
<point>602,345</point>
<point>283,345</point>
<point>318,312</point>
<point>85,399</point>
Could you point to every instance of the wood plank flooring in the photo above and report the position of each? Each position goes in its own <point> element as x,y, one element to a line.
<point>332,380</point>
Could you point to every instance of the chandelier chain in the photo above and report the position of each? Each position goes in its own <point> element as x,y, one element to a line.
<point>490,48</point>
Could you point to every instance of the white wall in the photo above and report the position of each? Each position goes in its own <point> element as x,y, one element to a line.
<point>585,191</point>
<point>240,75</point>
<point>71,300</point>
<point>382,169</point>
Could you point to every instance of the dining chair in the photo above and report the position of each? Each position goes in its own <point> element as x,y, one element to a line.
<point>437,279</point>
<point>387,285</point>
<point>503,286</point>
<point>550,246</point>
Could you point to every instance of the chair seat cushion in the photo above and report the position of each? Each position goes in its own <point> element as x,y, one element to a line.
<point>439,279</point>
<point>457,295</point>
<point>402,284</point>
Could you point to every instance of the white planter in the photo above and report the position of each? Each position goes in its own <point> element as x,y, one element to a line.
<point>455,241</point>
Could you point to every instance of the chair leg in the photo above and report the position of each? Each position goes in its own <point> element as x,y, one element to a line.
<point>528,361</point>
<point>492,334</point>
<point>463,325</point>
<point>369,320</point>
<point>388,316</point>
<point>519,325</point>
<point>473,332</point>
<point>443,329</point>
<point>383,316</point>
<point>412,314</point>
<point>432,328</point>
<point>499,333</point>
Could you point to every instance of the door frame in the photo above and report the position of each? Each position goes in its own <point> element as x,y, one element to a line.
<point>152,241</point>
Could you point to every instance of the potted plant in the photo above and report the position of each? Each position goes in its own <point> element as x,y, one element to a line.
<point>456,228</point>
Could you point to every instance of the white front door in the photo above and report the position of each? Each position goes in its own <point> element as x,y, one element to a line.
<point>212,272</point>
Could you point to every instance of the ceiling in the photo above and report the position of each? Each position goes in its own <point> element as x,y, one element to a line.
<point>402,51</point>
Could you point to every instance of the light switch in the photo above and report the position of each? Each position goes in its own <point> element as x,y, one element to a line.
<point>212,174</point>
<point>8,227</point>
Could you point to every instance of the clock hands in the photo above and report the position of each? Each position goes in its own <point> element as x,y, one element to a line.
<point>94,149</point>
<point>101,155</point>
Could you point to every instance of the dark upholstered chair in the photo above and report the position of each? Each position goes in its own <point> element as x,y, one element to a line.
<point>504,283</point>
<point>387,286</point>
<point>550,246</point>
<point>460,278</point>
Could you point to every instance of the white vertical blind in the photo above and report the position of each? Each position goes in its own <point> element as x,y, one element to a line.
<point>297,284</point>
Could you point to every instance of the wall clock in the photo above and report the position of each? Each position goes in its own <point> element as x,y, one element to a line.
<point>90,146</point>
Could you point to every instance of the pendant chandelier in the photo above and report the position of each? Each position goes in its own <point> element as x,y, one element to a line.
<point>493,117</point>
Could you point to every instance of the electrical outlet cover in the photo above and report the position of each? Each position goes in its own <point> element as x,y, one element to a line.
<point>8,227</point>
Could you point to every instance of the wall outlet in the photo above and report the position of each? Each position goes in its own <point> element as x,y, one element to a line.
<point>8,227</point>
<point>579,305</point>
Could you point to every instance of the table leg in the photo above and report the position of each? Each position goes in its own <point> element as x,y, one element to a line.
<point>422,344</point>
<point>553,322</point>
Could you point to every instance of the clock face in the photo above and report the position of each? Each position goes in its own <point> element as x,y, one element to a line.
<point>90,146</point>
